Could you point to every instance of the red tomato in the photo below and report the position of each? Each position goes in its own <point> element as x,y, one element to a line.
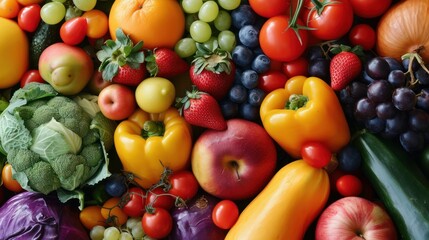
<point>349,185</point>
<point>31,76</point>
<point>98,23</point>
<point>280,42</point>
<point>135,205</point>
<point>370,8</point>
<point>29,17</point>
<point>73,31</point>
<point>363,35</point>
<point>332,23</point>
<point>276,7</point>
<point>296,67</point>
<point>183,184</point>
<point>157,224</point>
<point>225,214</point>
<point>158,198</point>
<point>316,154</point>
<point>272,80</point>
<point>8,181</point>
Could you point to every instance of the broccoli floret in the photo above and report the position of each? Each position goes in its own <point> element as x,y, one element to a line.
<point>42,178</point>
<point>25,112</point>
<point>90,138</point>
<point>71,169</point>
<point>93,154</point>
<point>22,159</point>
<point>44,114</point>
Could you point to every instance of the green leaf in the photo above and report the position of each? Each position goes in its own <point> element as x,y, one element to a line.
<point>110,71</point>
<point>137,57</point>
<point>65,196</point>
<point>138,47</point>
<point>127,50</point>
<point>111,44</point>
<point>103,172</point>
<point>134,65</point>
<point>105,128</point>
<point>103,55</point>
<point>121,37</point>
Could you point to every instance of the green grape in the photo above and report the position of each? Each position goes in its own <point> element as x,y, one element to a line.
<point>229,4</point>
<point>189,19</point>
<point>226,40</point>
<point>53,12</point>
<point>126,236</point>
<point>97,233</point>
<point>185,47</point>
<point>131,222</point>
<point>112,233</point>
<point>61,1</point>
<point>137,231</point>
<point>209,43</point>
<point>222,21</point>
<point>208,11</point>
<point>85,5</point>
<point>200,31</point>
<point>191,6</point>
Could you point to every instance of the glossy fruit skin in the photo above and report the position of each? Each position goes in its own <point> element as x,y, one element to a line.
<point>158,23</point>
<point>275,8</point>
<point>280,42</point>
<point>29,17</point>
<point>135,206</point>
<point>112,213</point>
<point>31,76</point>
<point>334,21</point>
<point>225,214</point>
<point>157,224</point>
<point>14,55</point>
<point>98,23</point>
<point>296,67</point>
<point>9,9</point>
<point>183,184</point>
<point>91,216</point>
<point>8,181</point>
<point>158,198</point>
<point>370,8</point>
<point>349,185</point>
<point>363,35</point>
<point>73,31</point>
<point>272,80</point>
<point>316,154</point>
<point>344,68</point>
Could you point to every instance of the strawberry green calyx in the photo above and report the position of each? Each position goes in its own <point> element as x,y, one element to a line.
<point>116,54</point>
<point>184,102</point>
<point>215,59</point>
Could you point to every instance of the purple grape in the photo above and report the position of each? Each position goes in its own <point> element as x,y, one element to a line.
<point>418,120</point>
<point>423,99</point>
<point>394,64</point>
<point>422,76</point>
<point>379,91</point>
<point>412,141</point>
<point>349,158</point>
<point>406,63</point>
<point>315,52</point>
<point>397,78</point>
<point>398,124</point>
<point>385,110</point>
<point>365,109</point>
<point>404,99</point>
<point>358,90</point>
<point>319,68</point>
<point>375,125</point>
<point>377,68</point>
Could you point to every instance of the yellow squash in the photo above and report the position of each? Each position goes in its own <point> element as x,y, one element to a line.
<point>290,202</point>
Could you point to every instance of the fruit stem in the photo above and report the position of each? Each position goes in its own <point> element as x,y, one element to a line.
<point>296,101</point>
<point>152,128</point>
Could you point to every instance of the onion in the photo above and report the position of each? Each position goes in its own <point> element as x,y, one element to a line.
<point>404,29</point>
<point>194,221</point>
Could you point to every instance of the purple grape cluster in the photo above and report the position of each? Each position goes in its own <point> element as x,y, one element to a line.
<point>388,101</point>
<point>244,98</point>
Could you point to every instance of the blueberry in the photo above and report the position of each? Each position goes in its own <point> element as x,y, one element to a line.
<point>261,63</point>
<point>229,109</point>
<point>243,15</point>
<point>115,185</point>
<point>238,94</point>
<point>249,36</point>
<point>249,112</point>
<point>319,68</point>
<point>255,97</point>
<point>249,78</point>
<point>242,56</point>
<point>349,158</point>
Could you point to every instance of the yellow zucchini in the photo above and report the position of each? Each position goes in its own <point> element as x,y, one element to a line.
<point>286,207</point>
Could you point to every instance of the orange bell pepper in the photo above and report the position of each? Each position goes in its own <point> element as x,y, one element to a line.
<point>306,109</point>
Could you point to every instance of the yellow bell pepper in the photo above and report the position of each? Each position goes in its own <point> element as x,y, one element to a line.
<point>148,143</point>
<point>306,109</point>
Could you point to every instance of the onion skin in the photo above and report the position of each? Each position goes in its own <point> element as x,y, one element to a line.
<point>404,29</point>
<point>195,220</point>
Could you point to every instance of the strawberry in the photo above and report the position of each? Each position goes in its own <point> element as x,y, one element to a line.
<point>201,109</point>
<point>212,70</point>
<point>165,62</point>
<point>344,67</point>
<point>122,61</point>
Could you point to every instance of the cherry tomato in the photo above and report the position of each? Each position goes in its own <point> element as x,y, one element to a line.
<point>332,23</point>
<point>98,23</point>
<point>112,213</point>
<point>272,80</point>
<point>135,205</point>
<point>280,42</point>
<point>276,7</point>
<point>9,8</point>
<point>225,214</point>
<point>73,31</point>
<point>31,76</point>
<point>29,2</point>
<point>349,185</point>
<point>370,8</point>
<point>363,35</point>
<point>183,184</point>
<point>91,216</point>
<point>316,154</point>
<point>29,17</point>
<point>296,67</point>
<point>8,181</point>
<point>157,224</point>
<point>158,198</point>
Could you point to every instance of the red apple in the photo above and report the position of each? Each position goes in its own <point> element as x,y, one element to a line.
<point>355,218</point>
<point>117,101</point>
<point>67,68</point>
<point>235,163</point>
<point>97,83</point>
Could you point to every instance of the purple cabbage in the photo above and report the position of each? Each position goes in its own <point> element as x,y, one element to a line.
<point>195,220</point>
<point>30,215</point>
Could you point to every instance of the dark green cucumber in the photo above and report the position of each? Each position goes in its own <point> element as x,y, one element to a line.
<point>398,183</point>
<point>44,36</point>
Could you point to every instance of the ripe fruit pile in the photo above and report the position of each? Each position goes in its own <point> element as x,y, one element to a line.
<point>189,83</point>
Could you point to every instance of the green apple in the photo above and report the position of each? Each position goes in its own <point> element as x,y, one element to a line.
<point>67,68</point>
